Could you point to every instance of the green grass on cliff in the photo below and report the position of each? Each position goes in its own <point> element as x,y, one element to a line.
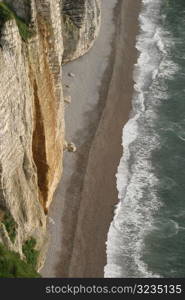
<point>30,252</point>
<point>11,266</point>
<point>10,225</point>
<point>7,13</point>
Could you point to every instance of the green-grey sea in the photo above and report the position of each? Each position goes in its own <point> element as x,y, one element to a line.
<point>147,235</point>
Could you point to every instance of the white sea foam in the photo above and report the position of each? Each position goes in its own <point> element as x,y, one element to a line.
<point>136,181</point>
<point>167,228</point>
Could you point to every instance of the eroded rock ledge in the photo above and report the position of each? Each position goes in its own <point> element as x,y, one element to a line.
<point>81,20</point>
<point>32,108</point>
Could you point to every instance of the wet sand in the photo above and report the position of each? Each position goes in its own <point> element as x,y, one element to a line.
<point>101,101</point>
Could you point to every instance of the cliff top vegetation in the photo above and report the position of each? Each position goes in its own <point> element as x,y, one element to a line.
<point>7,13</point>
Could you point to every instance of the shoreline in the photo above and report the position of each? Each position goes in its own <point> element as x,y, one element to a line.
<point>87,204</point>
<point>103,191</point>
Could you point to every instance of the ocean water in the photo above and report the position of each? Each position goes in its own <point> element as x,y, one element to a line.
<point>147,235</point>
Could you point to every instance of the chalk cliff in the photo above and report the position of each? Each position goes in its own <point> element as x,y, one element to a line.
<point>36,36</point>
<point>80,21</point>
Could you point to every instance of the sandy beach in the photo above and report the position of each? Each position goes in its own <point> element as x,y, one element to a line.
<point>101,93</point>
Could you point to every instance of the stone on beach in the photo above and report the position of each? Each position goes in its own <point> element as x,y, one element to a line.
<point>71,75</point>
<point>67,99</point>
<point>70,146</point>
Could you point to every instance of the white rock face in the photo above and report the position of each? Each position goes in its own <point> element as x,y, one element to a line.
<point>81,23</point>
<point>32,116</point>
<point>31,122</point>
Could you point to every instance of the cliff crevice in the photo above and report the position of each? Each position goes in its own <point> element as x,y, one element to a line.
<point>39,153</point>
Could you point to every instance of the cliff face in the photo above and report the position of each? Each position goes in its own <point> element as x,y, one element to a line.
<point>81,19</point>
<point>32,109</point>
